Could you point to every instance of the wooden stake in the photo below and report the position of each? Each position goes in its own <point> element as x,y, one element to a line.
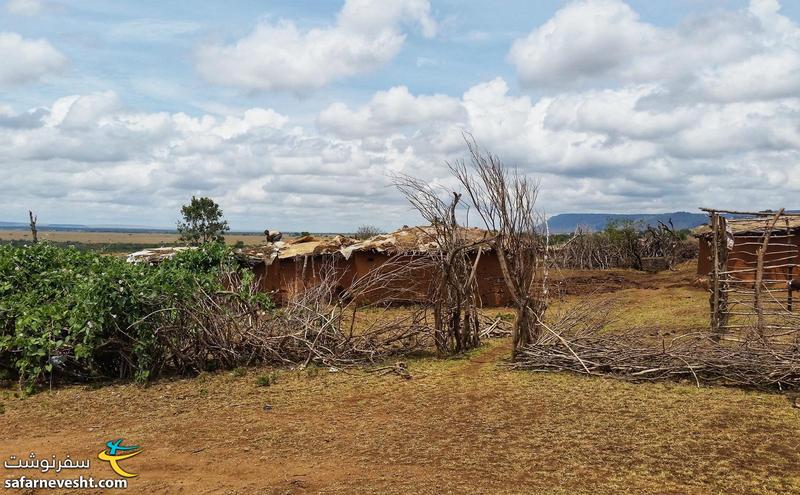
<point>33,226</point>
<point>760,273</point>
<point>715,327</point>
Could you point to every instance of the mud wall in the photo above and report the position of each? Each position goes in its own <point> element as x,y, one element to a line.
<point>284,277</point>
<point>743,256</point>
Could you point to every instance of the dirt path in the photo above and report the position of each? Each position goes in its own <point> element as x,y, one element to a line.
<point>459,426</point>
<point>496,352</point>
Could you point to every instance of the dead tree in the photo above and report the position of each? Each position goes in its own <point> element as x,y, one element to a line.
<point>660,241</point>
<point>34,232</point>
<point>454,293</point>
<point>505,201</point>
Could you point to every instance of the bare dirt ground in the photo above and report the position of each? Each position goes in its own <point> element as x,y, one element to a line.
<point>464,425</point>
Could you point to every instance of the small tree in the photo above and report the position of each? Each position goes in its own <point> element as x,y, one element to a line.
<point>454,296</point>
<point>202,222</point>
<point>505,200</point>
<point>367,231</point>
<point>625,236</point>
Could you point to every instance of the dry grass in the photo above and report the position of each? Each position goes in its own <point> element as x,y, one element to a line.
<point>464,425</point>
<point>676,308</point>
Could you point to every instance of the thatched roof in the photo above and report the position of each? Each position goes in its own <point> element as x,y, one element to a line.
<point>406,240</point>
<point>755,226</point>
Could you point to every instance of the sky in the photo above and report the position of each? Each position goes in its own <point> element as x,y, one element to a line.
<point>295,115</point>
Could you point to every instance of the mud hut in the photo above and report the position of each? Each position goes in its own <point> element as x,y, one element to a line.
<point>290,266</point>
<point>743,237</point>
<point>752,260</point>
<point>286,267</point>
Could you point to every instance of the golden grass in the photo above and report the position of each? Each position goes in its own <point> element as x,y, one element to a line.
<point>459,426</point>
<point>462,425</point>
<point>676,308</point>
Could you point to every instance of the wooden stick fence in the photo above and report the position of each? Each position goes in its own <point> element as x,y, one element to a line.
<point>754,258</point>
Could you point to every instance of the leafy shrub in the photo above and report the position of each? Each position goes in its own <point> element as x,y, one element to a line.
<point>81,315</point>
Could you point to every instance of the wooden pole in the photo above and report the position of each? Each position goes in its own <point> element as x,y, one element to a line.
<point>724,275</point>
<point>34,232</point>
<point>757,289</point>
<point>788,273</point>
<point>760,252</point>
<point>751,213</point>
<point>715,323</point>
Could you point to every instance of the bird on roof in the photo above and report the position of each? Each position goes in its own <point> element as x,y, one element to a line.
<point>273,235</point>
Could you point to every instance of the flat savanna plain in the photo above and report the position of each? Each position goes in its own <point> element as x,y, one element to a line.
<point>113,240</point>
<point>462,425</point>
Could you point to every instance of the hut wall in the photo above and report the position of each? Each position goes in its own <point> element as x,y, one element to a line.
<point>397,286</point>
<point>704,257</point>
<point>743,255</point>
<point>491,286</point>
<point>286,276</point>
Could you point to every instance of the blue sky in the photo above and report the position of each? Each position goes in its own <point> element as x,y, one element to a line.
<point>294,114</point>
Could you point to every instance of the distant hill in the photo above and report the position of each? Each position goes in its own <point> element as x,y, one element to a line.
<point>568,222</point>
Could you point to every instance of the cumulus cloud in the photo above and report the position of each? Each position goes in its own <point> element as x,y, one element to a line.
<point>603,149</point>
<point>282,56</point>
<point>636,116</point>
<point>721,55</point>
<point>585,39</point>
<point>26,60</point>
<point>388,111</point>
<point>626,138</point>
<point>91,155</point>
<point>81,111</point>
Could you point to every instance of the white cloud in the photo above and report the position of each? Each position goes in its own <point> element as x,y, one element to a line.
<point>753,53</point>
<point>92,156</point>
<point>281,56</point>
<point>374,16</point>
<point>25,60</point>
<point>585,39</point>
<point>81,111</point>
<point>24,7</point>
<point>388,111</point>
<point>717,130</point>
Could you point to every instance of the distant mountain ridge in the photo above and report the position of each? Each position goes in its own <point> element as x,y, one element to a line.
<point>568,222</point>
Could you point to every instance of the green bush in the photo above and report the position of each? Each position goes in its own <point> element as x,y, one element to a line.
<point>82,315</point>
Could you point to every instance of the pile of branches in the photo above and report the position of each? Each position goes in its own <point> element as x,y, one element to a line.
<point>663,241</point>
<point>587,250</point>
<point>317,324</point>
<point>624,246</point>
<point>751,363</point>
<point>322,325</point>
